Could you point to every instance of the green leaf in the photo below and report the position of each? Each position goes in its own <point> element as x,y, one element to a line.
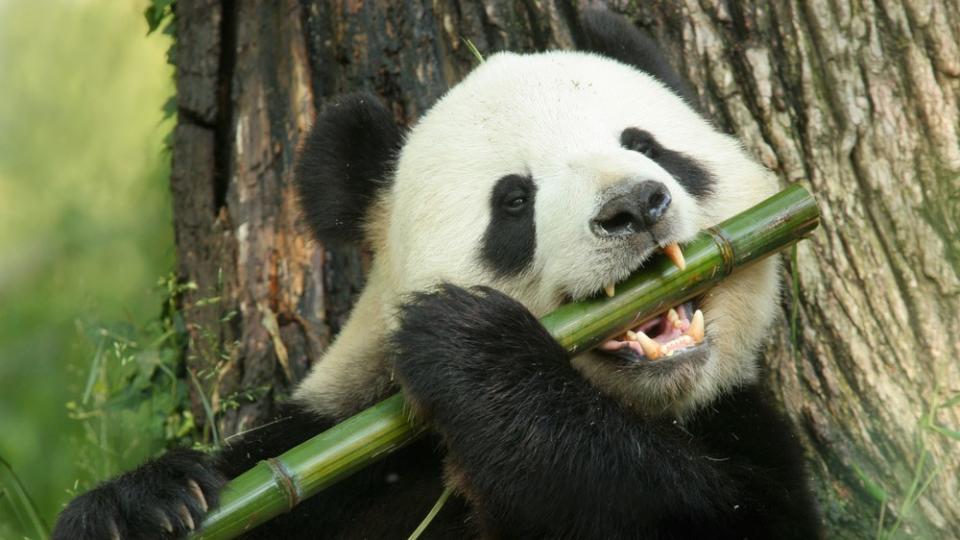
<point>153,18</point>
<point>170,107</point>
<point>156,12</point>
<point>874,489</point>
<point>23,507</point>
<point>473,50</point>
<point>952,433</point>
<point>952,402</point>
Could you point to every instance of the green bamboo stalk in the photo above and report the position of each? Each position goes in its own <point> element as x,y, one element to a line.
<point>278,484</point>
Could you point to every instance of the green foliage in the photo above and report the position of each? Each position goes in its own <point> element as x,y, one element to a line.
<point>157,12</point>
<point>134,401</point>
<point>84,231</point>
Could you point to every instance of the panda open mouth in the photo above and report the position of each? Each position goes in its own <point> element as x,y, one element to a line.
<point>677,331</point>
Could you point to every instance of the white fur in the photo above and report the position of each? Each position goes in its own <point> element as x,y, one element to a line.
<point>556,117</point>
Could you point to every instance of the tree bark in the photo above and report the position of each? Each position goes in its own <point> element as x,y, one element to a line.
<point>856,100</point>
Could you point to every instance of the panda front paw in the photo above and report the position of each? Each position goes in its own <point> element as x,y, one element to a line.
<point>453,343</point>
<point>164,498</point>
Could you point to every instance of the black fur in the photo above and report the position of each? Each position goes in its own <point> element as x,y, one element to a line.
<point>614,36</point>
<point>346,160</point>
<point>544,455</point>
<point>510,239</point>
<point>694,178</point>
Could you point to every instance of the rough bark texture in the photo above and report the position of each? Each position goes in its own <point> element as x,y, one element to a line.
<point>858,100</point>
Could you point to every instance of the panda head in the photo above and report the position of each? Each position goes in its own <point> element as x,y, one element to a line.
<point>550,177</point>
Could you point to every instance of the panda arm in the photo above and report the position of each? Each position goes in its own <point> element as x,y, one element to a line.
<point>534,447</point>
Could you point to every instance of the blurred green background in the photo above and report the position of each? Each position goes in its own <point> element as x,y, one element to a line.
<point>85,233</point>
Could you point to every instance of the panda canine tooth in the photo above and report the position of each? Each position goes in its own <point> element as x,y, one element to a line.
<point>672,251</point>
<point>696,327</point>
<point>651,349</point>
<point>609,289</point>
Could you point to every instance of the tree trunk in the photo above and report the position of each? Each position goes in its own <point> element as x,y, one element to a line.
<point>858,101</point>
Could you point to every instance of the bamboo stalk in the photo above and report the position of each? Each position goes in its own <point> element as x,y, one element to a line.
<point>277,485</point>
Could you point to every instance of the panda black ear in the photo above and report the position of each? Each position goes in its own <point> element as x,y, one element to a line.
<point>614,36</point>
<point>345,161</point>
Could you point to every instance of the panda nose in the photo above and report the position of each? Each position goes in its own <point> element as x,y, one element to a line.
<point>631,208</point>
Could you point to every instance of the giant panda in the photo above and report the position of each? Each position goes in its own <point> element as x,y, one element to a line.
<point>538,180</point>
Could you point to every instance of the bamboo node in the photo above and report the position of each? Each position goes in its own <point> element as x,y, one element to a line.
<point>285,481</point>
<point>726,248</point>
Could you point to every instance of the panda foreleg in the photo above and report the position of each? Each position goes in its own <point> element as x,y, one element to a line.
<point>531,444</point>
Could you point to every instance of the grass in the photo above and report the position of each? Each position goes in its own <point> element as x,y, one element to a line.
<point>924,473</point>
<point>473,50</point>
<point>14,494</point>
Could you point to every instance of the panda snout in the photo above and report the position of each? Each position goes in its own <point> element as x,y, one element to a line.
<point>630,208</point>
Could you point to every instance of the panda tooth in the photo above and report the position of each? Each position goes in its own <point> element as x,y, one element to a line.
<point>651,349</point>
<point>610,289</point>
<point>673,252</point>
<point>673,317</point>
<point>696,327</point>
<point>631,335</point>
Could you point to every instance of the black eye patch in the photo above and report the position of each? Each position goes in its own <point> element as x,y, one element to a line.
<point>510,239</point>
<point>686,170</point>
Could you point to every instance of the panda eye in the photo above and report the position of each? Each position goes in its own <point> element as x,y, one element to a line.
<point>513,195</point>
<point>640,141</point>
<point>515,202</point>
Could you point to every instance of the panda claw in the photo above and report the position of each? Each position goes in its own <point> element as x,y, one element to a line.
<point>198,494</point>
<point>185,517</point>
<point>114,531</point>
<point>165,522</point>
